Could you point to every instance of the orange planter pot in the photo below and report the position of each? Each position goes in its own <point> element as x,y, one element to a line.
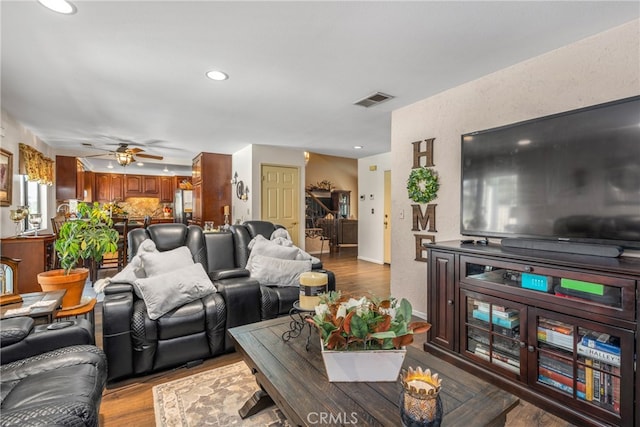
<point>73,283</point>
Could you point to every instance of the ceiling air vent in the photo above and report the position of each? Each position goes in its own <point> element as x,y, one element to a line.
<point>374,99</point>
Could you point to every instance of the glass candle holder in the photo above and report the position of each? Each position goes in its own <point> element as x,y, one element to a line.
<point>420,403</point>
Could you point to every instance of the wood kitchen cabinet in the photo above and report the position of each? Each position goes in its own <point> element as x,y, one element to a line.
<point>109,187</point>
<point>36,254</point>
<point>69,178</point>
<point>141,186</point>
<point>167,189</point>
<point>211,177</point>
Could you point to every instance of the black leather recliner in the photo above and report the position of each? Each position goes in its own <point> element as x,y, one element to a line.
<point>137,345</point>
<point>275,301</point>
<point>50,376</point>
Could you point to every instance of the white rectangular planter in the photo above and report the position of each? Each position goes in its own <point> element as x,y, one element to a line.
<point>363,366</point>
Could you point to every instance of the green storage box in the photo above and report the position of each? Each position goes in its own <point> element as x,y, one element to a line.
<point>579,285</point>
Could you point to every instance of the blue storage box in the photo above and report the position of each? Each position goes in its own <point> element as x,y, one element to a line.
<point>536,282</point>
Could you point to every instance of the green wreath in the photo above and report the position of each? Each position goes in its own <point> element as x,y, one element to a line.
<point>423,185</point>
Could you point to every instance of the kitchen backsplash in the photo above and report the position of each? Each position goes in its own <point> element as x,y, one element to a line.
<point>139,207</point>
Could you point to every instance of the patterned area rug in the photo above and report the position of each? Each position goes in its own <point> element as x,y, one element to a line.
<point>211,398</point>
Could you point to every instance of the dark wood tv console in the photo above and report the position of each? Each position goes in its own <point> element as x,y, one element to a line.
<point>559,330</point>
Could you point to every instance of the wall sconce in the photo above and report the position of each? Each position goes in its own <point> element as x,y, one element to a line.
<point>307,156</point>
<point>242,191</point>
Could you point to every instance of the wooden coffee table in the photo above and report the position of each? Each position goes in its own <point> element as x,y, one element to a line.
<point>295,380</point>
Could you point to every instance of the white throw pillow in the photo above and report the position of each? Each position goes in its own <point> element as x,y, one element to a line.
<point>168,291</point>
<point>277,272</point>
<point>274,250</point>
<point>164,262</point>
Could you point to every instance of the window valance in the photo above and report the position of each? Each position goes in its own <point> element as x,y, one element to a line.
<point>35,165</point>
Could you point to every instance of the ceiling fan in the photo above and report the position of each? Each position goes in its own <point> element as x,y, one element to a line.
<point>125,155</point>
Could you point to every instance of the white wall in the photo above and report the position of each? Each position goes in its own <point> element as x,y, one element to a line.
<point>241,162</point>
<point>598,69</point>
<point>13,134</point>
<point>371,225</point>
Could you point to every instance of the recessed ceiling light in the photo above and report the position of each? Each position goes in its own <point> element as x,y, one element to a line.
<point>110,166</point>
<point>217,75</point>
<point>357,147</point>
<point>140,164</point>
<point>165,170</point>
<point>60,6</point>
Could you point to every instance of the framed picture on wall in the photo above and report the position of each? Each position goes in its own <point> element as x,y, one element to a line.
<point>6,177</point>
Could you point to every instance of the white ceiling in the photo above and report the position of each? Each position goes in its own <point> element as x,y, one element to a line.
<point>134,71</point>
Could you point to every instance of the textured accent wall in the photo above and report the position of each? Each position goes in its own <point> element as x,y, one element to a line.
<point>601,68</point>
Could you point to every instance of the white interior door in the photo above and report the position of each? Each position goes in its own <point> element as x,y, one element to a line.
<point>280,198</point>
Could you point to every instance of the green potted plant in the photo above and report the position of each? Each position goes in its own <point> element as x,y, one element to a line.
<point>88,237</point>
<point>364,339</point>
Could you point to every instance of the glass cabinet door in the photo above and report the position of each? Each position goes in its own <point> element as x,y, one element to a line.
<point>583,360</point>
<point>493,329</point>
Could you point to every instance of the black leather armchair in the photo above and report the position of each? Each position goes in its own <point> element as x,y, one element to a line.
<point>50,376</point>
<point>137,345</point>
<point>275,301</point>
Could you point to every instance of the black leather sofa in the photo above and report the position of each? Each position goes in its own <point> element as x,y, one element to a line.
<point>50,377</point>
<point>137,345</point>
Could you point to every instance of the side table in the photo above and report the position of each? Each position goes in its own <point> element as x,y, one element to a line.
<point>86,311</point>
<point>297,324</point>
<point>44,314</point>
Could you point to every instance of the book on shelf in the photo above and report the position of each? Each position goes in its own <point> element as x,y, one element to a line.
<point>555,326</point>
<point>602,384</point>
<point>506,346</point>
<point>507,358</point>
<point>555,384</point>
<point>498,362</point>
<point>599,355</point>
<point>556,364</point>
<point>556,338</point>
<point>601,341</point>
<point>497,310</point>
<point>588,379</point>
<point>500,321</point>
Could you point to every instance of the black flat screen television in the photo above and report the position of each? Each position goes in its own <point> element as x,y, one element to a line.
<point>572,176</point>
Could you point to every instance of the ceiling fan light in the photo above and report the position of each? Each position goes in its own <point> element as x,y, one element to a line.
<point>124,158</point>
<point>60,6</point>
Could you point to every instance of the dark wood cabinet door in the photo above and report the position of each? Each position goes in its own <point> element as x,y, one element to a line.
<point>67,186</point>
<point>151,185</point>
<point>442,299</point>
<point>167,189</point>
<point>197,204</point>
<point>117,187</point>
<point>102,187</point>
<point>133,185</point>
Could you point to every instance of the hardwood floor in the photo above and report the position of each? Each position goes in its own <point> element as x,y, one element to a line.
<point>130,402</point>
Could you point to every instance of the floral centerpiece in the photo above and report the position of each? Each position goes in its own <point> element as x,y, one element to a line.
<point>366,323</point>
<point>363,339</point>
